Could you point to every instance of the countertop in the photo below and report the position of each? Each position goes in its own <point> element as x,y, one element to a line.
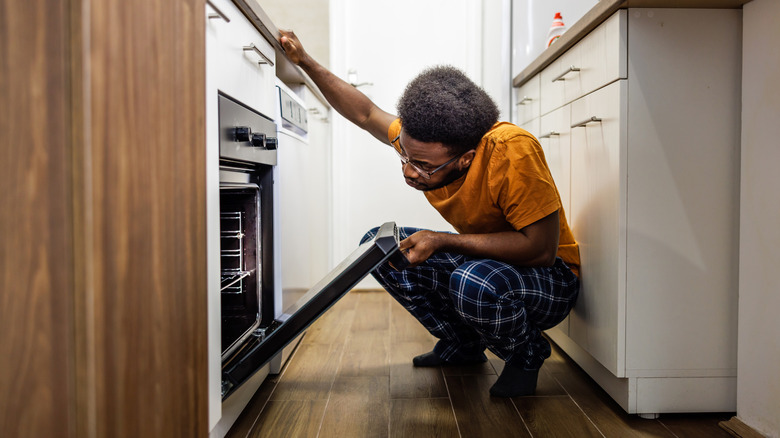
<point>600,12</point>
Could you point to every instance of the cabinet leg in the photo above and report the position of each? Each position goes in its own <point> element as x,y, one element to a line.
<point>649,416</point>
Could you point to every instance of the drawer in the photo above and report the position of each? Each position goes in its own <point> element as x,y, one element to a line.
<point>527,101</point>
<point>603,56</point>
<point>599,59</point>
<point>553,79</point>
<point>245,61</point>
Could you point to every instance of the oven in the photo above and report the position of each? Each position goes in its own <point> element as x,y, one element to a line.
<point>247,250</point>
<point>245,264</point>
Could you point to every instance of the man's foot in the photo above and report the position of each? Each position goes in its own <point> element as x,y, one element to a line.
<point>515,382</point>
<point>431,359</point>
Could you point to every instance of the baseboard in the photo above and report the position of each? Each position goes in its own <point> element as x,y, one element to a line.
<point>737,428</point>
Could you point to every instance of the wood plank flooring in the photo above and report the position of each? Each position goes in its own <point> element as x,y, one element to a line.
<point>352,376</point>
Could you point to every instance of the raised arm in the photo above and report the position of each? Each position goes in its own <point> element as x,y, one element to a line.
<point>343,97</point>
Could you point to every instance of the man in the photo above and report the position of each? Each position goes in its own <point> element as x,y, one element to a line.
<point>508,273</point>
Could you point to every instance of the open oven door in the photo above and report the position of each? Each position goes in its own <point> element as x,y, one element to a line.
<point>271,338</point>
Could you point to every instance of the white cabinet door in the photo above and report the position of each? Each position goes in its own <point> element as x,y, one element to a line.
<point>553,80</point>
<point>319,178</point>
<point>245,61</point>
<point>555,140</point>
<point>556,144</point>
<point>598,140</point>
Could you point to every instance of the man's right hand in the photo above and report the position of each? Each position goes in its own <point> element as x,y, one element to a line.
<point>292,46</point>
<point>343,97</point>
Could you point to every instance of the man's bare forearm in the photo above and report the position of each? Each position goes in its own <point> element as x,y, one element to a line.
<point>533,246</point>
<point>511,247</point>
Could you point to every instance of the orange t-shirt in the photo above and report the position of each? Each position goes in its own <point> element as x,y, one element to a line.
<point>507,187</point>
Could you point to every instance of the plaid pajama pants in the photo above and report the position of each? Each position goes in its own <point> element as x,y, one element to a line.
<point>472,304</point>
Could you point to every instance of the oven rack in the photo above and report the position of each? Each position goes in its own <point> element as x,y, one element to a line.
<point>231,281</point>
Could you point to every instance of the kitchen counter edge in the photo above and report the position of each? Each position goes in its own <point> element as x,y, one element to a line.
<point>598,14</point>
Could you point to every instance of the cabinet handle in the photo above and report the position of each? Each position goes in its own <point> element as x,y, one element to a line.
<point>524,101</point>
<point>586,121</point>
<point>218,13</point>
<point>264,59</point>
<point>560,76</point>
<point>549,134</point>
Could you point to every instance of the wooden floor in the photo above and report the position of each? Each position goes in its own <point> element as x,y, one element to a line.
<point>352,376</point>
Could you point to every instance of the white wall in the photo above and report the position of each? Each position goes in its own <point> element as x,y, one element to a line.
<point>758,379</point>
<point>389,43</point>
<point>496,54</point>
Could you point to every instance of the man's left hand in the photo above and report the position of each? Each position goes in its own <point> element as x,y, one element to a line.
<point>420,246</point>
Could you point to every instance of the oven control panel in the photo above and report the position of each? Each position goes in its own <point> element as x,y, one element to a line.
<point>244,134</point>
<point>294,116</point>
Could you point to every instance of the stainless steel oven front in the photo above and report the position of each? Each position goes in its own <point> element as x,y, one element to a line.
<point>247,155</point>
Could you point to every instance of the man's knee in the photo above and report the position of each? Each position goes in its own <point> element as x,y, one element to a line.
<point>467,287</point>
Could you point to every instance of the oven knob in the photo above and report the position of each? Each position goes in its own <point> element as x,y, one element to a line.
<point>258,140</point>
<point>242,133</point>
<point>270,142</point>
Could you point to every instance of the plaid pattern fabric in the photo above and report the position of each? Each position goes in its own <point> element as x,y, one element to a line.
<point>472,304</point>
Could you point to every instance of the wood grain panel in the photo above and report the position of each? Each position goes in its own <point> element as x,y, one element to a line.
<point>366,353</point>
<point>310,375</point>
<point>147,201</point>
<point>479,414</point>
<point>610,418</point>
<point>696,425</point>
<point>358,407</point>
<point>290,418</point>
<point>555,416</point>
<point>334,325</point>
<point>372,312</point>
<point>423,418</point>
<point>36,225</point>
<point>421,404</point>
<point>407,381</point>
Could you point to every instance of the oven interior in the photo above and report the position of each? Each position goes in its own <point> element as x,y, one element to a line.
<point>240,271</point>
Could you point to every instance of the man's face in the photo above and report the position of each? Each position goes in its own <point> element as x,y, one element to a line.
<point>433,160</point>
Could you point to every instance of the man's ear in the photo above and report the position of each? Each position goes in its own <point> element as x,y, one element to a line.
<point>465,160</point>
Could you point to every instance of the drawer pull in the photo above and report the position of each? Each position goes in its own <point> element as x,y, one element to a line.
<point>570,70</point>
<point>549,134</point>
<point>263,59</point>
<point>586,121</point>
<point>525,101</point>
<point>217,13</point>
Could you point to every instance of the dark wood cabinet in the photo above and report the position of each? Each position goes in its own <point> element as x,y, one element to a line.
<point>102,219</point>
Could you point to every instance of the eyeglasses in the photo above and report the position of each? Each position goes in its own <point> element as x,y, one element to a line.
<point>418,167</point>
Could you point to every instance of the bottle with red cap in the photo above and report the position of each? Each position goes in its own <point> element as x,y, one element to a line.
<point>557,28</point>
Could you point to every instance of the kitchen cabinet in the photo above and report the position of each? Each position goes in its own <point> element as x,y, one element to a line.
<point>102,223</point>
<point>644,116</point>
<point>245,64</point>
